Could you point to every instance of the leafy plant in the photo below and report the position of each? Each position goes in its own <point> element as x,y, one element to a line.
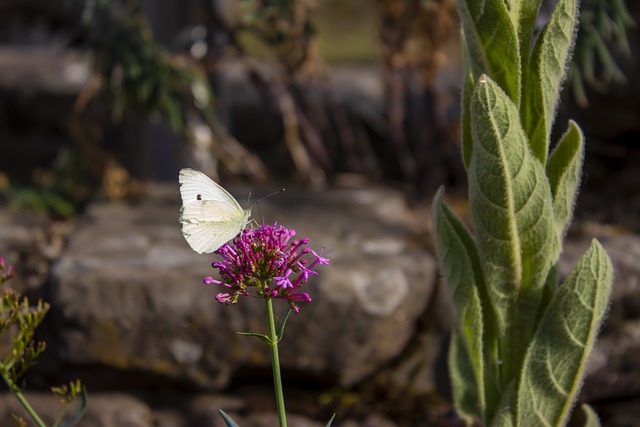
<point>603,32</point>
<point>58,191</point>
<point>520,345</point>
<point>133,74</point>
<point>19,320</point>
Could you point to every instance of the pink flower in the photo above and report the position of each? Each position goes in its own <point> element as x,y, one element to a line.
<point>268,260</point>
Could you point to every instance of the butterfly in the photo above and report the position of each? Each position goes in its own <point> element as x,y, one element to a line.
<point>209,215</point>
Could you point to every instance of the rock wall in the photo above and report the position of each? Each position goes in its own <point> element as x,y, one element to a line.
<point>130,312</point>
<point>131,317</point>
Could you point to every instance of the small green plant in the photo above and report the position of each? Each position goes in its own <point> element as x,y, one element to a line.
<point>134,76</point>
<point>519,349</point>
<point>20,320</point>
<point>132,72</point>
<point>57,191</point>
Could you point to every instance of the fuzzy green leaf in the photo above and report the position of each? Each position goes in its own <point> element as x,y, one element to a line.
<point>526,13</point>
<point>463,380</point>
<point>511,203</point>
<point>546,73</point>
<point>461,268</point>
<point>555,362</point>
<point>563,169</point>
<point>505,415</point>
<point>492,43</point>
<point>467,94</point>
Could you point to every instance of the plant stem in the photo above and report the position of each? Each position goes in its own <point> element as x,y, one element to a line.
<point>275,363</point>
<point>23,401</point>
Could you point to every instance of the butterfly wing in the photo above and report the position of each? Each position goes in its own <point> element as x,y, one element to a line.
<point>196,186</point>
<point>210,216</point>
<point>208,224</point>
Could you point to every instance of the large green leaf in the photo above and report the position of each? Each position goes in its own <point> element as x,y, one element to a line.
<point>545,74</point>
<point>555,362</point>
<point>458,257</point>
<point>463,380</point>
<point>492,42</point>
<point>563,169</point>
<point>525,14</point>
<point>511,204</point>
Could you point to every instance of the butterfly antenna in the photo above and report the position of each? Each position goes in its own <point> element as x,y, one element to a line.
<point>267,196</point>
<point>257,202</point>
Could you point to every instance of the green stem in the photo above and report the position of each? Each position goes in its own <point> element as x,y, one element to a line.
<point>23,401</point>
<point>275,363</point>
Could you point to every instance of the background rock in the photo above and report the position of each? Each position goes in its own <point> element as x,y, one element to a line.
<point>105,410</point>
<point>130,312</point>
<point>128,292</point>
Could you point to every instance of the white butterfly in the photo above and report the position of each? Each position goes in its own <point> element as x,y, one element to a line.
<point>210,216</point>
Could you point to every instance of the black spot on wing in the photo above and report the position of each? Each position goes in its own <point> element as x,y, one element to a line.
<point>199,197</point>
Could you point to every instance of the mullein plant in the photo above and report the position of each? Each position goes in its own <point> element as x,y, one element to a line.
<point>520,345</point>
<point>266,263</point>
<point>604,25</point>
<point>20,320</point>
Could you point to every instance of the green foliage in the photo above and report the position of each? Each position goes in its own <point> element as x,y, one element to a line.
<point>492,42</point>
<point>556,359</point>
<point>45,201</point>
<point>546,72</point>
<point>604,26</point>
<point>67,394</point>
<point>520,345</point>
<point>59,191</point>
<point>134,73</point>
<point>135,76</point>
<point>563,170</point>
<point>464,379</point>
<point>509,200</point>
<point>462,272</point>
<point>19,320</point>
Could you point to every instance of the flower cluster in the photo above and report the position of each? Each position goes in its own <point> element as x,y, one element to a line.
<point>6,271</point>
<point>268,259</point>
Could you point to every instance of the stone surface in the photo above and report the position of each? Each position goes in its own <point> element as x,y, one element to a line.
<point>30,242</point>
<point>128,301</point>
<point>128,291</point>
<point>120,410</point>
<point>104,410</point>
<point>48,68</point>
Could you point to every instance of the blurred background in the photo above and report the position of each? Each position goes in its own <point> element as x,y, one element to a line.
<point>102,100</point>
<point>93,91</point>
<point>98,97</point>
